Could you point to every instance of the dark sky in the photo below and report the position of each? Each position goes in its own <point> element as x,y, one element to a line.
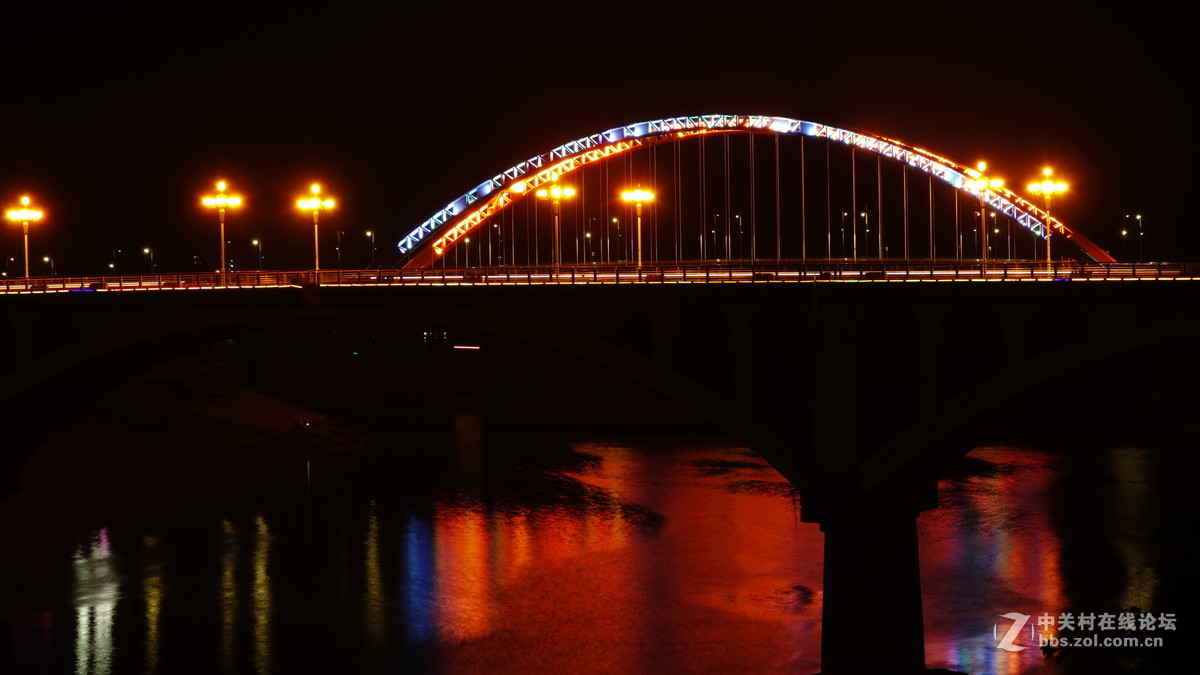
<point>118,117</point>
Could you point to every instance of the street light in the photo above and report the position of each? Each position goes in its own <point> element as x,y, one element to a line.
<point>371,234</point>
<point>220,202</point>
<point>258,245</point>
<point>637,197</point>
<point>981,184</point>
<point>50,261</point>
<point>1140,240</point>
<point>854,234</point>
<point>1047,189</point>
<point>23,215</point>
<point>1124,244</point>
<point>843,251</point>
<point>621,242</point>
<point>556,194</point>
<point>150,252</point>
<point>1139,231</point>
<point>315,204</point>
<point>739,233</point>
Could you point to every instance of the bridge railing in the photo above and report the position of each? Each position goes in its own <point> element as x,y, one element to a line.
<point>684,272</point>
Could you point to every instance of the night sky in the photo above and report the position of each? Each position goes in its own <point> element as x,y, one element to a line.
<point>119,117</point>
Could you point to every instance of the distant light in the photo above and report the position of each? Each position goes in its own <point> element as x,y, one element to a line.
<point>466,346</point>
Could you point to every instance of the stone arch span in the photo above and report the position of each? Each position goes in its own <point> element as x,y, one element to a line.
<point>440,232</point>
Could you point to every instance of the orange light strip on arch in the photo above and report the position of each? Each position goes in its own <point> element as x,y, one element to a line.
<point>511,194</point>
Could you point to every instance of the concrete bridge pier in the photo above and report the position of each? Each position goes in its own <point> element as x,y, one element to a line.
<point>872,620</point>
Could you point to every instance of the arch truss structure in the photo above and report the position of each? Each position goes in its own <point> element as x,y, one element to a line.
<point>432,238</point>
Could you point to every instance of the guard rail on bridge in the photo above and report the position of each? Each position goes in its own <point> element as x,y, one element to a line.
<point>783,272</point>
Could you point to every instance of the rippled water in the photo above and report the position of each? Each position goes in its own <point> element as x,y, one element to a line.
<point>603,556</point>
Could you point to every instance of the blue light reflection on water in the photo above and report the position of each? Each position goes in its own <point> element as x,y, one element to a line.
<point>419,588</point>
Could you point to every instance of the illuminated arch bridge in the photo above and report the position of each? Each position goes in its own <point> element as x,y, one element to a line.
<point>740,188</point>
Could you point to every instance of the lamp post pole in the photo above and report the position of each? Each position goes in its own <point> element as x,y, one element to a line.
<point>315,204</point>
<point>23,215</point>
<point>981,184</point>
<point>258,245</point>
<point>637,197</point>
<point>220,202</point>
<point>555,194</point>
<point>1141,257</point>
<point>843,245</point>
<point>1047,189</point>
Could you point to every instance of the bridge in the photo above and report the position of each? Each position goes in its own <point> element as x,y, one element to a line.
<point>856,376</point>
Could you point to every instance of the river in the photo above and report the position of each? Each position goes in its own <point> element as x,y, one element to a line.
<point>625,555</point>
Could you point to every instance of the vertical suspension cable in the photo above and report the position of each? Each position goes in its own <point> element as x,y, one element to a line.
<point>828,211</point>
<point>879,202</point>
<point>753,202</point>
<point>803,206</point>
<point>654,181</point>
<point>932,232</point>
<point>677,177</point>
<point>853,205</point>
<point>703,200</point>
<point>957,233</point>
<point>579,205</point>
<point>779,210</point>
<point>904,204</point>
<point>633,242</point>
<point>725,164</point>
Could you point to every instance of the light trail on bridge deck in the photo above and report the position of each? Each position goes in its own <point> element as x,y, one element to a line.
<point>824,272</point>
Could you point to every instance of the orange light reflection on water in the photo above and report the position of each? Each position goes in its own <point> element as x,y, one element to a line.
<point>658,564</point>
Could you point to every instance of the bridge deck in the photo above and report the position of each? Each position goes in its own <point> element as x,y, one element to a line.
<point>821,271</point>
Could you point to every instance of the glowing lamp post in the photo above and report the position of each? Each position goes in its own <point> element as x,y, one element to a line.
<point>258,245</point>
<point>220,202</point>
<point>637,197</point>
<point>316,205</point>
<point>981,184</point>
<point>556,194</point>
<point>23,215</point>
<point>1047,189</point>
<point>49,261</point>
<point>1139,233</point>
